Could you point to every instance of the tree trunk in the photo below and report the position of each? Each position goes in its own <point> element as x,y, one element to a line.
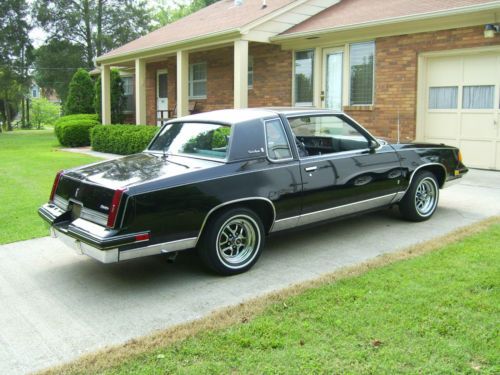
<point>99,28</point>
<point>88,34</point>
<point>7,114</point>
<point>28,112</point>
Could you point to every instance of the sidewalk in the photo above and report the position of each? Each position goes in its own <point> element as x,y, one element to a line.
<point>88,151</point>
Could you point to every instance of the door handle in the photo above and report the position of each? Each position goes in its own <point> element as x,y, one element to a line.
<point>311,169</point>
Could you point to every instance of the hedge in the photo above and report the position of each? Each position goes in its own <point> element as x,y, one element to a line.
<point>74,130</point>
<point>122,139</point>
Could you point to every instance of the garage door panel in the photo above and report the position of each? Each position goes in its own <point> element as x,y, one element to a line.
<point>480,69</point>
<point>442,125</point>
<point>462,103</point>
<point>478,154</point>
<point>478,126</point>
<point>449,142</point>
<point>442,71</point>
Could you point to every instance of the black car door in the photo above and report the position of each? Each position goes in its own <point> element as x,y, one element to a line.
<point>342,172</point>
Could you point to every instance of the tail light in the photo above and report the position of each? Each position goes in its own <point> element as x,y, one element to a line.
<point>54,186</point>
<point>460,156</point>
<point>115,206</point>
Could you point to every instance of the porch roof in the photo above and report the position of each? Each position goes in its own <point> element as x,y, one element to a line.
<point>359,12</point>
<point>218,18</point>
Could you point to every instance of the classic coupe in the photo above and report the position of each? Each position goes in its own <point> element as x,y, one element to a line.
<point>222,181</point>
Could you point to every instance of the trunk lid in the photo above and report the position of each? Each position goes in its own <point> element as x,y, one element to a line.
<point>88,191</point>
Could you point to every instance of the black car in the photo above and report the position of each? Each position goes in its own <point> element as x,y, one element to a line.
<point>221,181</point>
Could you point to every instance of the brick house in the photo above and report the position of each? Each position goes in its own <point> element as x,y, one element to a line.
<point>430,68</point>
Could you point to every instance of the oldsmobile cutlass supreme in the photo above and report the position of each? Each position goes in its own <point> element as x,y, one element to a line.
<point>221,181</point>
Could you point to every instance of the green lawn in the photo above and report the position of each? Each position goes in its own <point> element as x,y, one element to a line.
<point>29,160</point>
<point>435,314</point>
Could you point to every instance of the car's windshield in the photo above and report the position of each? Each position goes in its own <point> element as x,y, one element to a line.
<point>195,139</point>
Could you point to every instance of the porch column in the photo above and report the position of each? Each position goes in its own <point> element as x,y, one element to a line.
<point>318,76</point>
<point>140,92</point>
<point>182,83</point>
<point>106,94</point>
<point>241,74</point>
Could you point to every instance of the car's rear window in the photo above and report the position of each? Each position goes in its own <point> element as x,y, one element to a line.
<point>194,139</point>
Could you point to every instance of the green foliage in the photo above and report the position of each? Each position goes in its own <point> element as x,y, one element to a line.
<point>55,64</point>
<point>15,56</point>
<point>74,130</point>
<point>166,15</point>
<point>117,97</point>
<point>122,139</point>
<point>29,165</point>
<point>43,112</point>
<point>97,26</point>
<point>81,94</point>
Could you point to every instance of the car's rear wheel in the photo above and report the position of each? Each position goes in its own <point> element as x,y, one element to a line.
<point>232,241</point>
<point>421,199</point>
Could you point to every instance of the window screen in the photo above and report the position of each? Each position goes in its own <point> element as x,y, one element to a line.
<point>443,97</point>
<point>478,97</point>
<point>362,57</point>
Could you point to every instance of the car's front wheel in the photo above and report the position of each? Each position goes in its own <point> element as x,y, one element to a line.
<point>421,199</point>
<point>232,241</point>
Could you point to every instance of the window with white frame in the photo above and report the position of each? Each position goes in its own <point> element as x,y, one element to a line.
<point>445,97</point>
<point>361,64</point>
<point>303,79</point>
<point>198,81</point>
<point>128,93</point>
<point>478,97</point>
<point>250,72</point>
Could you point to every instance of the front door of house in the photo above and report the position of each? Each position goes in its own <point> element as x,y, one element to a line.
<point>162,95</point>
<point>331,91</point>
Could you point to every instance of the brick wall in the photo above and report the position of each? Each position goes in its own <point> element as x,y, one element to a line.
<point>272,79</point>
<point>396,77</point>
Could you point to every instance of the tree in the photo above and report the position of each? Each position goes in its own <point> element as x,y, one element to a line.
<point>117,97</point>
<point>15,56</point>
<point>55,64</point>
<point>95,25</point>
<point>81,94</point>
<point>168,15</point>
<point>43,112</point>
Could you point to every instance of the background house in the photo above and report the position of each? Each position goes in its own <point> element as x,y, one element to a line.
<point>424,70</point>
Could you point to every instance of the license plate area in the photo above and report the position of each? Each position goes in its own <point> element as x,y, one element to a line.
<point>76,210</point>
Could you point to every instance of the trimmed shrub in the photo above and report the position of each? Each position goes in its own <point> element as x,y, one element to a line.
<point>81,94</point>
<point>122,139</point>
<point>74,130</point>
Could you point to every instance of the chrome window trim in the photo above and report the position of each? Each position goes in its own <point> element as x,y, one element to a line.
<point>231,202</point>
<point>277,161</point>
<point>338,115</point>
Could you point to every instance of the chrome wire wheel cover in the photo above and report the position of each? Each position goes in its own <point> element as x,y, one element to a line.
<point>426,196</point>
<point>238,241</point>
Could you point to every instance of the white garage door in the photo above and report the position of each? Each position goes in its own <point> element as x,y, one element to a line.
<point>463,106</point>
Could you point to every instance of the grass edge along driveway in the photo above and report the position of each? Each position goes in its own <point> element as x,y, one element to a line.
<point>431,308</point>
<point>29,161</point>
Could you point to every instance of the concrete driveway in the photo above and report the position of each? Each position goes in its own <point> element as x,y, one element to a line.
<point>56,305</point>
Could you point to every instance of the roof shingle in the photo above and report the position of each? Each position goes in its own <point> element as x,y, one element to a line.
<point>354,12</point>
<point>221,16</point>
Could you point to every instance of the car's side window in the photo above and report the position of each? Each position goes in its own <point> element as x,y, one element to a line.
<point>277,143</point>
<point>320,135</point>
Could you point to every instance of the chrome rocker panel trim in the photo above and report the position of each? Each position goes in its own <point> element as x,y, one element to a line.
<point>116,255</point>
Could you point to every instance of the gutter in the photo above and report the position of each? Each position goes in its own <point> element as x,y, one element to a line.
<point>388,21</point>
<point>231,33</point>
